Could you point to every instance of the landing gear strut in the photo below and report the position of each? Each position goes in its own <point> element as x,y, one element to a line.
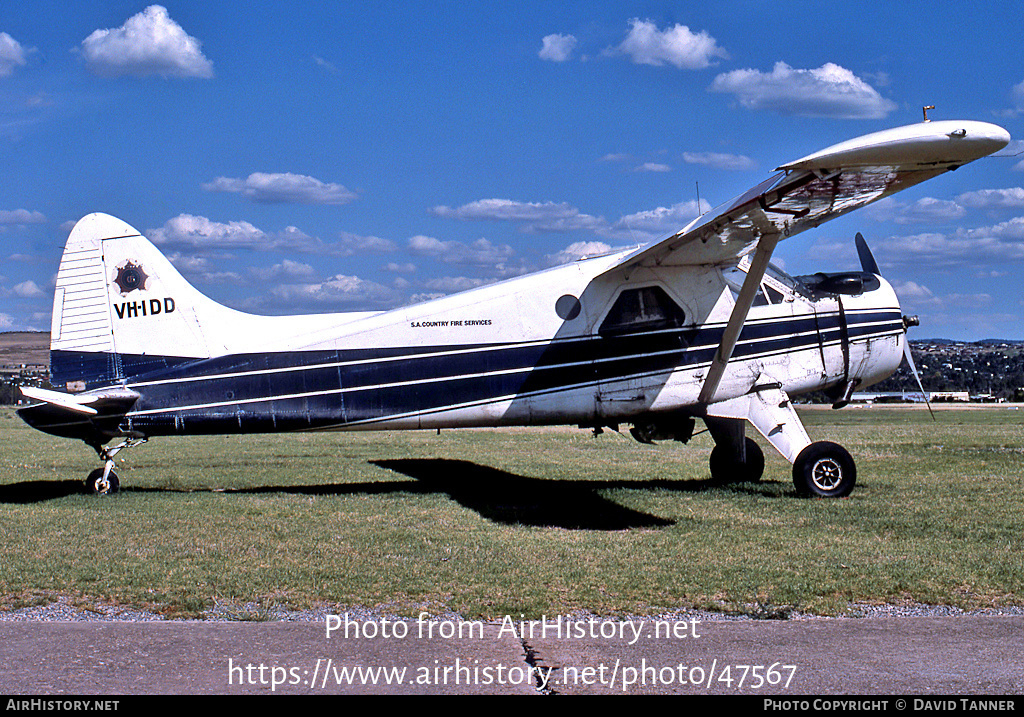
<point>822,469</point>
<point>728,466</point>
<point>104,481</point>
<point>736,458</point>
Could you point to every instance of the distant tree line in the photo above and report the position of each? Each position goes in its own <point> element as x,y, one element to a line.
<point>9,393</point>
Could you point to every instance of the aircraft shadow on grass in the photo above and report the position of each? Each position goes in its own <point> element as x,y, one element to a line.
<point>511,499</point>
<point>495,494</point>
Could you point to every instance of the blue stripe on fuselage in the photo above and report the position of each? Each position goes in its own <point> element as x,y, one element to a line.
<point>314,389</point>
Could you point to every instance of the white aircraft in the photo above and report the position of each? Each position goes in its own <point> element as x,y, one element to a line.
<point>697,325</point>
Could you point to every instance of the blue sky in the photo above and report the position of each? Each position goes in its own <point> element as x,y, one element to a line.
<point>331,156</point>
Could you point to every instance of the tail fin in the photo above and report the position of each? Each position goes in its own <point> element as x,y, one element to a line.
<point>118,296</point>
<point>121,309</point>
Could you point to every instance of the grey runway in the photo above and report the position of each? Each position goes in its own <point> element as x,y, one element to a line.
<point>962,655</point>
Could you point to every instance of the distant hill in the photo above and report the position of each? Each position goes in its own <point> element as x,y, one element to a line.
<point>982,342</point>
<point>992,366</point>
<point>24,347</point>
<point>997,342</point>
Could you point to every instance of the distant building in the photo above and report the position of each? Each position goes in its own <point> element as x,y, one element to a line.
<point>949,396</point>
<point>910,397</point>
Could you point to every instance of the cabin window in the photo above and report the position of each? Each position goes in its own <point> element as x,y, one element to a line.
<point>645,309</point>
<point>774,295</point>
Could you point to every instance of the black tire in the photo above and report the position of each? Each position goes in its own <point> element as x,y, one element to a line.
<point>95,484</point>
<point>824,469</point>
<point>726,468</point>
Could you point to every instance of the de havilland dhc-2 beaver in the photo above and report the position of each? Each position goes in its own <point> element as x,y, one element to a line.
<point>695,326</point>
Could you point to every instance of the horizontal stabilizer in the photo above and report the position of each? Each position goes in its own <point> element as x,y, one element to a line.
<point>92,416</point>
<point>108,402</point>
<point>71,402</point>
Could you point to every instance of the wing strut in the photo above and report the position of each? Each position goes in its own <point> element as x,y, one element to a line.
<point>758,266</point>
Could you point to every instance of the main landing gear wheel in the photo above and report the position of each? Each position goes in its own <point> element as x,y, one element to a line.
<point>824,469</point>
<point>726,467</point>
<point>97,484</point>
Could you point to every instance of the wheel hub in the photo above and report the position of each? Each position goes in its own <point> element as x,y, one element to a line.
<point>826,473</point>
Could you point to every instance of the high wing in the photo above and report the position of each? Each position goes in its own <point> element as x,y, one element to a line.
<point>805,194</point>
<point>823,186</point>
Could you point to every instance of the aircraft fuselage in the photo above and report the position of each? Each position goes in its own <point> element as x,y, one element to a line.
<point>558,347</point>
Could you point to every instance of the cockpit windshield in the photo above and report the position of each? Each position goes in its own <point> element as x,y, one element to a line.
<point>773,289</point>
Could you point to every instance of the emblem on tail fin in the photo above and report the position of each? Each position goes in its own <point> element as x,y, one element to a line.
<point>130,277</point>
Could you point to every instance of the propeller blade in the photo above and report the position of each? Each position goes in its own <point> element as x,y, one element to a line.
<point>868,264</point>
<point>867,261</point>
<point>917,376</point>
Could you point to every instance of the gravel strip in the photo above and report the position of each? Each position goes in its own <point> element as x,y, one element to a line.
<point>62,610</point>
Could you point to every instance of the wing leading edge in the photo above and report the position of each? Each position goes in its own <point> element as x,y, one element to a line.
<point>823,186</point>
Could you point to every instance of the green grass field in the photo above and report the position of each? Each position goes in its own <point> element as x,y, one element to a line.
<point>532,522</point>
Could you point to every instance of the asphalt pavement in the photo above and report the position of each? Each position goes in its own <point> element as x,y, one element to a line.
<point>960,655</point>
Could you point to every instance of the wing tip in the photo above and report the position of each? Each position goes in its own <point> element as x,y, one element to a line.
<point>953,142</point>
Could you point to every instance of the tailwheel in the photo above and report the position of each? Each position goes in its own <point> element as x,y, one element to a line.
<point>824,469</point>
<point>727,467</point>
<point>102,481</point>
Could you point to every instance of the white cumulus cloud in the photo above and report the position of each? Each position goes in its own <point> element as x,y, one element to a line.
<point>828,91</point>
<point>655,223</point>
<point>201,234</point>
<point>677,46</point>
<point>28,290</point>
<point>190,230</point>
<point>21,216</point>
<point>557,48</point>
<point>149,43</point>
<point>1018,96</point>
<point>507,210</point>
<point>653,167</point>
<point>350,244</point>
<point>535,216</point>
<point>718,160</point>
<point>1000,245</point>
<point>282,188</point>
<point>339,290</point>
<point>930,209</point>
<point>986,198</point>
<point>12,54</point>
<point>481,252</point>
<point>287,269</point>
<point>578,250</point>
